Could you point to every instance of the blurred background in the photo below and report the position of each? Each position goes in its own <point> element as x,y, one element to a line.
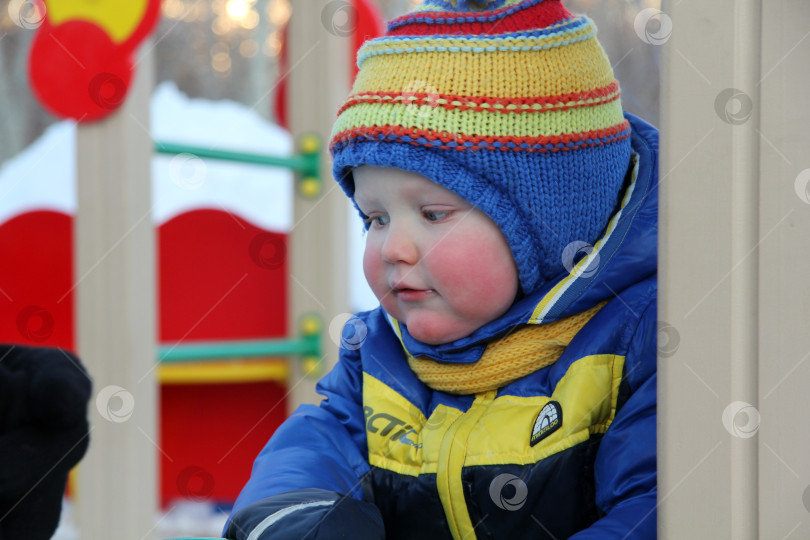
<point>217,67</point>
<point>229,49</point>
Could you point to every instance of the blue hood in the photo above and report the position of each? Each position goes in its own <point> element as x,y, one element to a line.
<point>625,254</point>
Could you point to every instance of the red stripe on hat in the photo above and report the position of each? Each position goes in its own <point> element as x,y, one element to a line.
<point>561,102</point>
<point>555,143</point>
<point>532,17</point>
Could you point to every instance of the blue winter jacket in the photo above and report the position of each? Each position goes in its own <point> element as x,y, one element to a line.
<point>565,452</point>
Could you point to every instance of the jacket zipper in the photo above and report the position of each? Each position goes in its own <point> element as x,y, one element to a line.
<point>452,454</point>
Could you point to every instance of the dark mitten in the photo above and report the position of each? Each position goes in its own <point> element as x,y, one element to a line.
<point>307,514</point>
<point>43,433</point>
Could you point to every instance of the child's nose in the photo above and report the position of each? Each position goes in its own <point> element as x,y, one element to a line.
<point>399,245</point>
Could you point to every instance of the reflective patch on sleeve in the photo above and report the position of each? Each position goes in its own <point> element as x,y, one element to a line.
<point>275,517</point>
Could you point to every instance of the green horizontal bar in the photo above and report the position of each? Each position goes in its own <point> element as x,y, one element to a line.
<point>295,162</point>
<point>309,346</point>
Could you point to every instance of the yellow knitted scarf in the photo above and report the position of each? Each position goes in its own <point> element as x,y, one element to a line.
<point>516,355</point>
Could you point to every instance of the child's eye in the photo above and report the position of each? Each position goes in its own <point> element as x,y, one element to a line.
<point>435,215</point>
<point>377,221</point>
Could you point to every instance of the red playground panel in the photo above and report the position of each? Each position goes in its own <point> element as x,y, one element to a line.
<point>219,278</point>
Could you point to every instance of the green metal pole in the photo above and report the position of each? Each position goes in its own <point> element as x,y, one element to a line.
<point>308,345</point>
<point>221,349</point>
<point>305,162</point>
<point>301,163</point>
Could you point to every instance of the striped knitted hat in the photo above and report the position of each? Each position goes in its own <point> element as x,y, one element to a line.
<point>511,104</point>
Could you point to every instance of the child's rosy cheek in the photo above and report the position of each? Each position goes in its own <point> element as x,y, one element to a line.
<point>372,264</point>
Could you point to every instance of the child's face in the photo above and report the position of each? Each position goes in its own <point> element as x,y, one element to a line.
<point>435,263</point>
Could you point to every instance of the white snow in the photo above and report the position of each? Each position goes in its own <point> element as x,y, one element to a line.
<point>181,520</point>
<point>43,176</point>
<point>260,194</point>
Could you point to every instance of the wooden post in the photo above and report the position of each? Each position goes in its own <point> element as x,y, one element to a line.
<point>320,33</point>
<point>115,282</point>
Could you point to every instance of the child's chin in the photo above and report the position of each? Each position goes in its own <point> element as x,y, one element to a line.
<point>433,334</point>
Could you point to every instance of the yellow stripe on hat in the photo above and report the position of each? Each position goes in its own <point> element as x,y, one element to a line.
<point>561,70</point>
<point>470,122</point>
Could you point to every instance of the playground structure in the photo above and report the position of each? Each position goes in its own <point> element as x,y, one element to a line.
<point>733,283</point>
<point>239,402</point>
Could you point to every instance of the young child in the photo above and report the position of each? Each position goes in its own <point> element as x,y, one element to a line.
<point>505,387</point>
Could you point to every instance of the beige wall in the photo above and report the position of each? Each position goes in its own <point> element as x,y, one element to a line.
<point>735,298</point>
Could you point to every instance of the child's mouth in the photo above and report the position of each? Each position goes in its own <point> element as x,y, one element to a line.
<point>412,295</point>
